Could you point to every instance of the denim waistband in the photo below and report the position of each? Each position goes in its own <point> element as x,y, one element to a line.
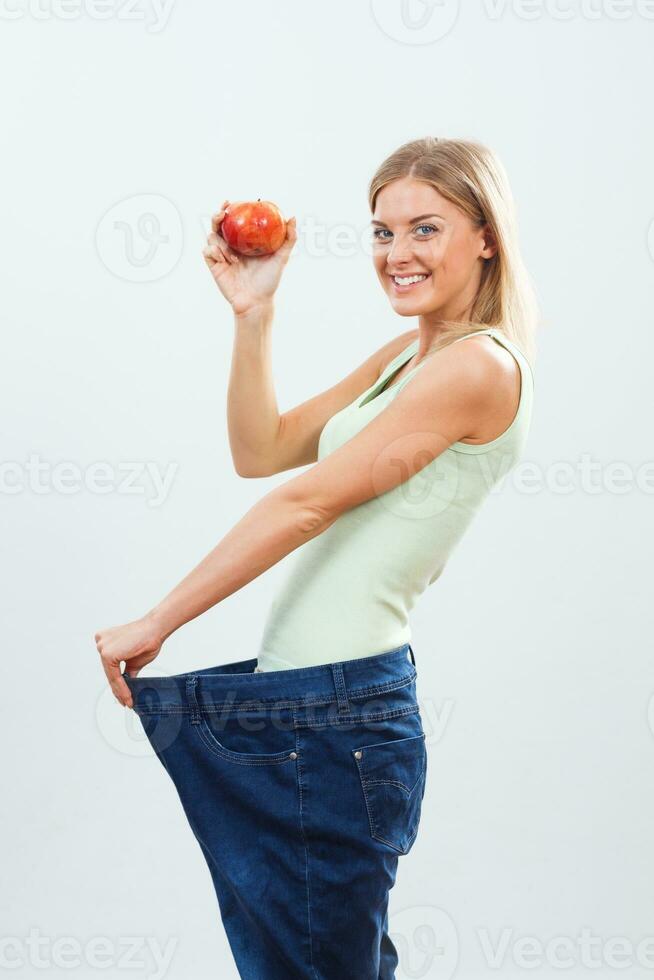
<point>238,683</point>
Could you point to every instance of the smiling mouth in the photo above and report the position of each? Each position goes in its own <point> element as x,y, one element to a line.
<point>403,284</point>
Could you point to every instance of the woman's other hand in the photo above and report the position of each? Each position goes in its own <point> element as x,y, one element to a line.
<point>246,282</point>
<point>137,643</point>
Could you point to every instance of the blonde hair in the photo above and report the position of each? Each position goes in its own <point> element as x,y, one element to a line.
<point>471,176</point>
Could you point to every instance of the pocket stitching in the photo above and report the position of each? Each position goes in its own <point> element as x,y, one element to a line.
<point>241,758</point>
<point>395,782</point>
<point>365,782</point>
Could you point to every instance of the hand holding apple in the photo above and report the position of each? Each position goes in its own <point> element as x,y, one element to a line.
<point>246,251</point>
<point>253,227</point>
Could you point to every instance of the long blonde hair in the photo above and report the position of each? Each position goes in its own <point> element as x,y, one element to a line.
<point>472,177</point>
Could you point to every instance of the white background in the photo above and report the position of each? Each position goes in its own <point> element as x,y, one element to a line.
<point>533,649</point>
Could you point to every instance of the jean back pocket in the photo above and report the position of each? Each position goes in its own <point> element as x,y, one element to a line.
<point>393,779</point>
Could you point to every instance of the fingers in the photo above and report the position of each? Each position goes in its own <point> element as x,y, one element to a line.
<point>217,250</point>
<point>116,682</point>
<point>291,237</point>
<point>213,256</point>
<point>214,239</point>
<point>111,667</point>
<point>218,217</point>
<point>217,253</point>
<point>134,665</point>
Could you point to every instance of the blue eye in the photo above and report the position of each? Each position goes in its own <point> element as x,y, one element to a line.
<point>379,232</point>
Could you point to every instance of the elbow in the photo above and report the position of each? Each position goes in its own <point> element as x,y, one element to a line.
<point>252,469</point>
<point>245,472</point>
<point>313,510</point>
<point>312,520</point>
<point>309,516</point>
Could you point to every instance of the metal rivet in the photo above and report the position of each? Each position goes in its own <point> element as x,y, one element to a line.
<point>293,755</point>
<point>358,754</point>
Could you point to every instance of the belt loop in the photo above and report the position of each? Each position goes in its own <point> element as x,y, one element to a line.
<point>191,684</point>
<point>339,684</point>
<point>413,659</point>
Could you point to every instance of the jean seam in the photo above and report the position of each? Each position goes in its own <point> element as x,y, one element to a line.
<point>380,716</point>
<point>307,876</point>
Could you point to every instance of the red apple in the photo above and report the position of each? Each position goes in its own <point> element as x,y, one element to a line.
<point>253,227</point>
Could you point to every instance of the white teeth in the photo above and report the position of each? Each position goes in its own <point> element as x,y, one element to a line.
<point>407,280</point>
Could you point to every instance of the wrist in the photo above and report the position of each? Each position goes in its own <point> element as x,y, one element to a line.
<point>258,314</point>
<point>159,625</point>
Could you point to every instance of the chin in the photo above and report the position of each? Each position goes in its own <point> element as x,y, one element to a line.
<point>411,307</point>
<point>406,309</point>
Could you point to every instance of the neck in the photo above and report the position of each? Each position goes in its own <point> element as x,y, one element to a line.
<point>433,326</point>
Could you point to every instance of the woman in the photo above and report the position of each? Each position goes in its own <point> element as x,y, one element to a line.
<point>302,770</point>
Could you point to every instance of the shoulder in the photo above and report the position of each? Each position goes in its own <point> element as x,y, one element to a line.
<point>484,372</point>
<point>480,363</point>
<point>472,387</point>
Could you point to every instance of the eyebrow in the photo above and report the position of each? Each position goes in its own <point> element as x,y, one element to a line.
<point>420,217</point>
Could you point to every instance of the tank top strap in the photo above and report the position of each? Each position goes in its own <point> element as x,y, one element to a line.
<point>398,362</point>
<point>494,332</point>
<point>391,368</point>
<point>489,330</point>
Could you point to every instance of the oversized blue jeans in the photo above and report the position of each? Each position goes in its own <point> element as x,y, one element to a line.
<point>303,787</point>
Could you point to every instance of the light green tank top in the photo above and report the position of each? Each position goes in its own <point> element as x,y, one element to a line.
<point>348,592</point>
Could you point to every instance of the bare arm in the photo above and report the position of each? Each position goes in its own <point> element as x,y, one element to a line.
<point>275,526</point>
<point>262,441</point>
<point>252,414</point>
<point>444,403</point>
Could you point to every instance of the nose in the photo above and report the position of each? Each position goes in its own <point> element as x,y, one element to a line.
<point>399,253</point>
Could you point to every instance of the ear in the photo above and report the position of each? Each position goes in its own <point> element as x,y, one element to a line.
<point>488,243</point>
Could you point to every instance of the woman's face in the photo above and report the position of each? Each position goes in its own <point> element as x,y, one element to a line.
<point>418,232</point>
